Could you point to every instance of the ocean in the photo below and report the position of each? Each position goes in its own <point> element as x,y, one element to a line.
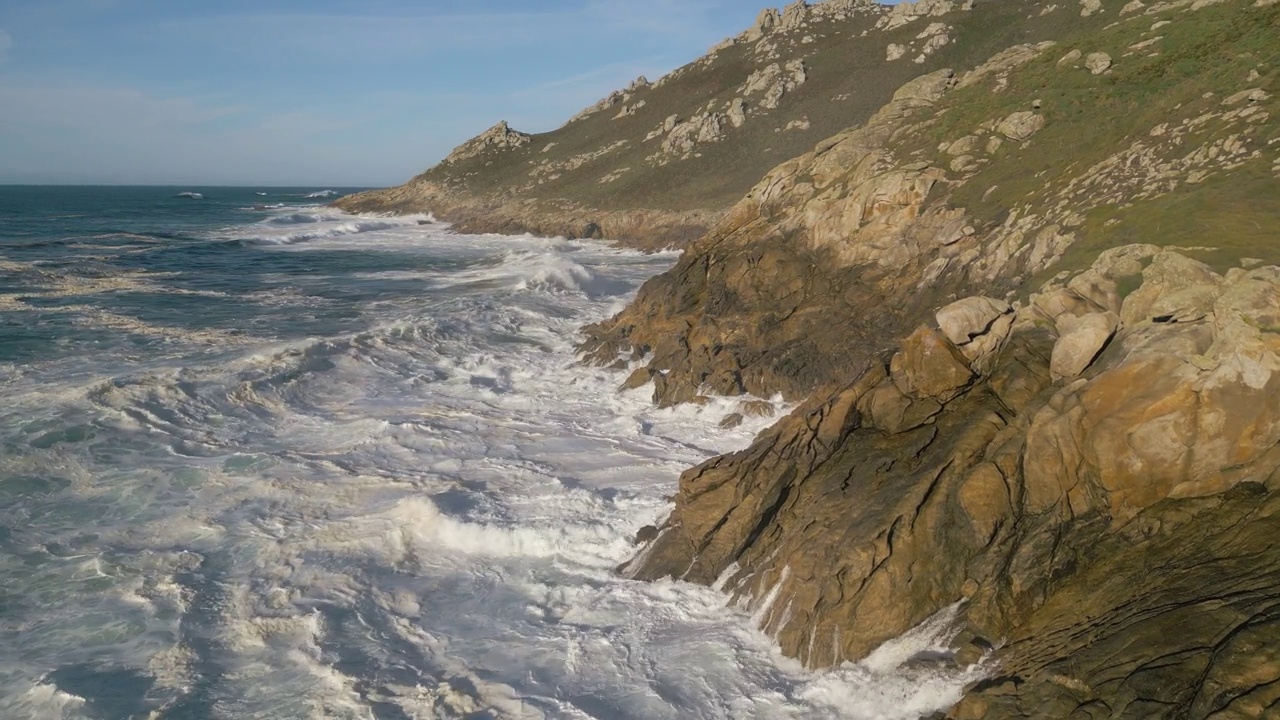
<point>263,459</point>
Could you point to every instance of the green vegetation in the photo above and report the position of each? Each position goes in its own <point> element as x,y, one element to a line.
<point>848,80</point>
<point>1201,58</point>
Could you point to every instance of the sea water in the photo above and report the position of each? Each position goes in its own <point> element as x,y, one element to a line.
<point>263,459</point>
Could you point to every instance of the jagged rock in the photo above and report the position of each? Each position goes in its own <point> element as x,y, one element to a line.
<point>774,81</point>
<point>498,137</point>
<point>629,110</point>
<point>794,15</point>
<point>894,51</point>
<point>698,130</point>
<point>1021,125</point>
<point>1098,62</point>
<point>1071,57</point>
<point>737,112</point>
<point>766,21</point>
<point>1090,7</point>
<point>865,215</point>
<point>1080,341</point>
<point>874,507</point>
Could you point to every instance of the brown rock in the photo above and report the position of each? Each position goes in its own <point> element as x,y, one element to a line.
<point>966,319</point>
<point>1081,341</point>
<point>929,366</point>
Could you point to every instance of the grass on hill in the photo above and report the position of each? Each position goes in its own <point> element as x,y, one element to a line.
<point>1203,57</point>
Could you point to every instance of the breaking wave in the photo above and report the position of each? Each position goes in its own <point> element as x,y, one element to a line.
<point>419,518</point>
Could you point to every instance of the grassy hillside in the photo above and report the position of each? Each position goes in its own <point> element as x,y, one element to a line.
<point>1161,148</point>
<point>848,78</point>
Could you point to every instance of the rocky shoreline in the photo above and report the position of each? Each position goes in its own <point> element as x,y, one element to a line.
<point>1029,301</point>
<point>643,229</point>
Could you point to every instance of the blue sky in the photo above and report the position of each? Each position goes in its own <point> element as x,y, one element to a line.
<point>329,92</point>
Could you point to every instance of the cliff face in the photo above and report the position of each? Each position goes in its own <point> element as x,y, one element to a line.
<point>981,182</point>
<point>657,164</point>
<point>1027,290</point>
<point>1036,312</point>
<point>1110,533</point>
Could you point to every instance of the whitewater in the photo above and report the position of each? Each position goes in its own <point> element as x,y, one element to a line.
<point>292,463</point>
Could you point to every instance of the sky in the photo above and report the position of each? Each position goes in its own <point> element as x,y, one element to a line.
<point>326,92</point>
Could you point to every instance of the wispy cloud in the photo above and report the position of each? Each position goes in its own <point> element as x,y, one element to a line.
<point>6,42</point>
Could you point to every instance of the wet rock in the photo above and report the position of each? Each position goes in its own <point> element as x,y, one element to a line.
<point>646,534</point>
<point>919,483</point>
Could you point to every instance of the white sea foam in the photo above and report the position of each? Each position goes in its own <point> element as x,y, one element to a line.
<point>425,514</point>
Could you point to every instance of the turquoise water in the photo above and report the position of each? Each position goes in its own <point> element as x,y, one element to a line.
<point>263,459</point>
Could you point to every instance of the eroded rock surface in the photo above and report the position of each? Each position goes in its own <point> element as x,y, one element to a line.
<point>1044,504</point>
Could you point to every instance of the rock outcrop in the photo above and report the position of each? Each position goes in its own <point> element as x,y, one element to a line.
<point>498,137</point>
<point>745,311</point>
<point>1041,504</point>
<point>1010,407</point>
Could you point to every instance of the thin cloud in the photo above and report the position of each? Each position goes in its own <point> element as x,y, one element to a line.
<point>6,43</point>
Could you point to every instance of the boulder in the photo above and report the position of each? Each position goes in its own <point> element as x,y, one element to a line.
<point>966,319</point>
<point>1081,341</point>
<point>929,366</point>
<point>1021,125</point>
<point>1098,62</point>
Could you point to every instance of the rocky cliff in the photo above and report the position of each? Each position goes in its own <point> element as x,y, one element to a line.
<point>658,163</point>
<point>1027,295</point>
<point>1034,310</point>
